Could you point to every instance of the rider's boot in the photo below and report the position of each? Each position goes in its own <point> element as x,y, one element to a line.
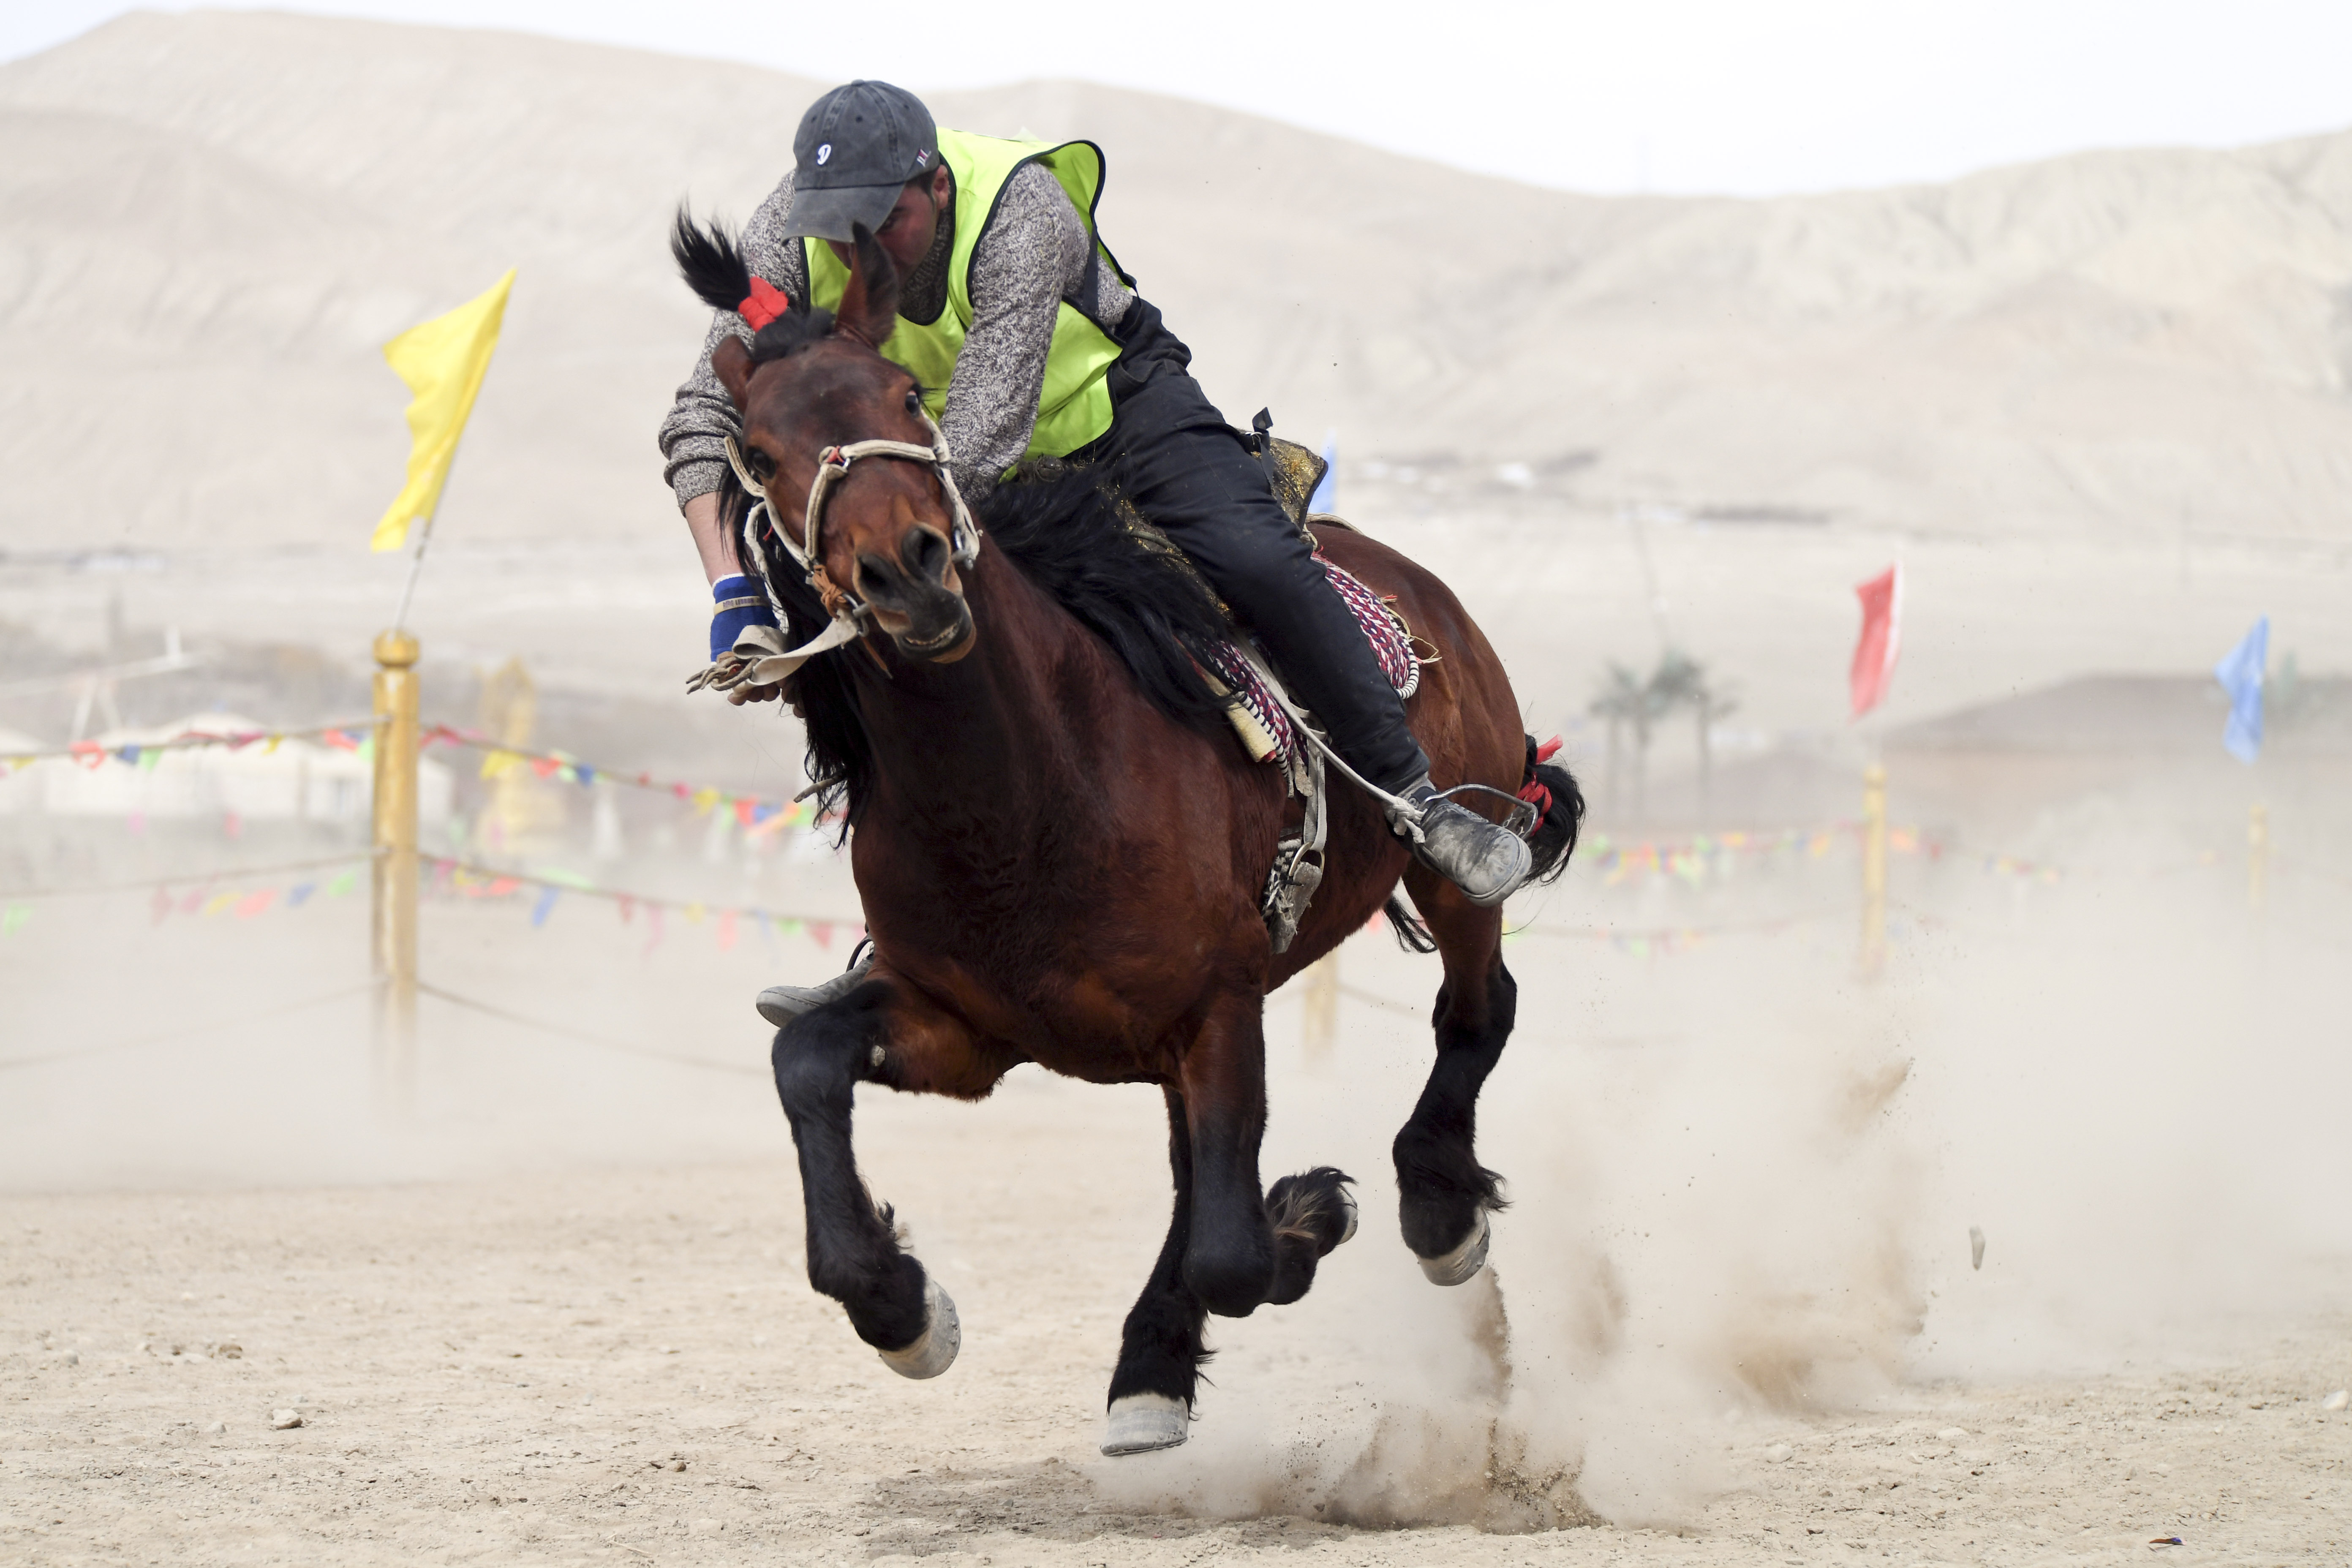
<point>779,1004</point>
<point>1487,862</point>
<point>1323,656</point>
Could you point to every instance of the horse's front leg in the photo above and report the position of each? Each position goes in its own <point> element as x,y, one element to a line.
<point>1159,1347</point>
<point>884,1032</point>
<point>1229,1257</point>
<point>1248,1247</point>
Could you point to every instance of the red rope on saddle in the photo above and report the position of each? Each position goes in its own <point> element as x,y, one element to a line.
<point>763,304</point>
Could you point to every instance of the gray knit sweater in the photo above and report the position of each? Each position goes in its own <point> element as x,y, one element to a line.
<point>1031,258</point>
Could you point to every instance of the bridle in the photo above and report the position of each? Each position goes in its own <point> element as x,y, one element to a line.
<point>846,609</point>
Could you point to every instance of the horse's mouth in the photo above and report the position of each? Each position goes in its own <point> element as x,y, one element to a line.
<point>949,644</point>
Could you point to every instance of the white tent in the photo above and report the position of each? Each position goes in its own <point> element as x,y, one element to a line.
<point>20,789</point>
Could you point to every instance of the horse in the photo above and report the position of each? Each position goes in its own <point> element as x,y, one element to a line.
<point>1062,850</point>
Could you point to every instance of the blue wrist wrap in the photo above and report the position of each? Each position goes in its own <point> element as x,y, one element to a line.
<point>725,625</point>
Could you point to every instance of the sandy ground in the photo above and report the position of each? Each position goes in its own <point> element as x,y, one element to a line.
<point>627,1367</point>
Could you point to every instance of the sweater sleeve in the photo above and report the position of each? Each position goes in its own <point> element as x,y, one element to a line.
<point>1031,258</point>
<point>694,434</point>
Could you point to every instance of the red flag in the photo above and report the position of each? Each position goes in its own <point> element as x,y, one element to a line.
<point>1882,638</point>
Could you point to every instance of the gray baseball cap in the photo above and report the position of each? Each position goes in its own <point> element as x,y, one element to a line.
<point>858,147</point>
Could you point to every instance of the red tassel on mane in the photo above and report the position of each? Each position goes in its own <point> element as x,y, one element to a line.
<point>763,304</point>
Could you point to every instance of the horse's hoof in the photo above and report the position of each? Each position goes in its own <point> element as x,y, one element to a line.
<point>1347,1203</point>
<point>1464,1262</point>
<point>1141,1423</point>
<point>935,1350</point>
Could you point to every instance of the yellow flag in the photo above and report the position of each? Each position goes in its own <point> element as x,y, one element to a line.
<point>443,362</point>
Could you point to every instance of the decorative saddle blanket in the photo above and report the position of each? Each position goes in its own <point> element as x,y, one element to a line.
<point>1263,724</point>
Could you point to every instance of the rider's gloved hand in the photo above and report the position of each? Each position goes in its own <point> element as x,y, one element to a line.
<point>741,604</point>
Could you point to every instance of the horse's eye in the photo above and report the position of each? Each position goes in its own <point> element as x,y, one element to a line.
<point>763,467</point>
<point>914,402</point>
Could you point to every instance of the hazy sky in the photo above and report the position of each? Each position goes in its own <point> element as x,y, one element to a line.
<point>1746,96</point>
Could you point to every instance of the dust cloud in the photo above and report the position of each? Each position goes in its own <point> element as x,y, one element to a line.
<point>1742,1182</point>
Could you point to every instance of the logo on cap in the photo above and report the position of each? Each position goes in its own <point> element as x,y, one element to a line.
<point>823,153</point>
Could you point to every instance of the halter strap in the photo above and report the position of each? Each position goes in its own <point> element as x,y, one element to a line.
<point>774,664</point>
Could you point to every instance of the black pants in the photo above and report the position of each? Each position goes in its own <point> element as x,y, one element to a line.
<point>1196,477</point>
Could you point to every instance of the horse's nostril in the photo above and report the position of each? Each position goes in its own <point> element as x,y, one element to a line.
<point>925,551</point>
<point>876,578</point>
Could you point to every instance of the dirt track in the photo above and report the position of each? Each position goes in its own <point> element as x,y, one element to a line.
<point>627,1367</point>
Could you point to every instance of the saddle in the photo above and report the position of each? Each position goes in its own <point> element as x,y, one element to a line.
<point>1256,704</point>
<point>1263,715</point>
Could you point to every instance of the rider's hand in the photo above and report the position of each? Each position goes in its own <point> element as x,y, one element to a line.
<point>740,603</point>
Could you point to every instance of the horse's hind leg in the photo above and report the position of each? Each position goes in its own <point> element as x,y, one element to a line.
<point>1444,1192</point>
<point>877,1034</point>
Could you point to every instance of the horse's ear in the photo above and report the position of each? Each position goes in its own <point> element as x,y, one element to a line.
<point>731,362</point>
<point>869,305</point>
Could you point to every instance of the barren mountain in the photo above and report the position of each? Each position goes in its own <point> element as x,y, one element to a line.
<point>209,222</point>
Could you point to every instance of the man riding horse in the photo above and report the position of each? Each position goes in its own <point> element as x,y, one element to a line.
<point>1029,341</point>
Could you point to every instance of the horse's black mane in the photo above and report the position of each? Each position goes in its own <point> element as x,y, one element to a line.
<point>713,265</point>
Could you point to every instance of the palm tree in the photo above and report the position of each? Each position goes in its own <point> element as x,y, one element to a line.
<point>1627,701</point>
<point>1682,681</point>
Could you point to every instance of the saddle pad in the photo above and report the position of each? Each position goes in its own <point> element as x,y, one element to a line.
<point>1262,723</point>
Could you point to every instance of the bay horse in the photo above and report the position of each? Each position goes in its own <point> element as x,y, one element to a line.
<point>1062,849</point>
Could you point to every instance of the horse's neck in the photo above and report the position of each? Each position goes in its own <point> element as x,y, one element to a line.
<point>989,736</point>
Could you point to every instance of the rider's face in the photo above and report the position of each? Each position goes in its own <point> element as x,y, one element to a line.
<point>907,234</point>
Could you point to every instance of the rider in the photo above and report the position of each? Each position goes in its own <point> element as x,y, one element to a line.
<point>1030,341</point>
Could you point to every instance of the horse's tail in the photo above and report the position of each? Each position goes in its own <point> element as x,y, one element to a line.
<point>709,259</point>
<point>1412,933</point>
<point>1551,790</point>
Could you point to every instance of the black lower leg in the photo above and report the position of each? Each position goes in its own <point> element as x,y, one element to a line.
<point>1441,1185</point>
<point>1160,1349</point>
<point>1230,1263</point>
<point>852,1249</point>
<point>1310,1213</point>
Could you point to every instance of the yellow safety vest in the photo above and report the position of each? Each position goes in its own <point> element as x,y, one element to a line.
<point>1073,405</point>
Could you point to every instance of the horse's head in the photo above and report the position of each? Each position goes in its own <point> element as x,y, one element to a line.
<point>810,382</point>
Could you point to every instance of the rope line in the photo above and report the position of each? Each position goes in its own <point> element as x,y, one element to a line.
<point>54,1057</point>
<point>191,740</point>
<point>566,1032</point>
<point>621,896</point>
<point>238,874</point>
<point>586,771</point>
<point>1667,933</point>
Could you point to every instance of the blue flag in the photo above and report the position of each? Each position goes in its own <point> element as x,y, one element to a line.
<point>2240,675</point>
<point>1326,490</point>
